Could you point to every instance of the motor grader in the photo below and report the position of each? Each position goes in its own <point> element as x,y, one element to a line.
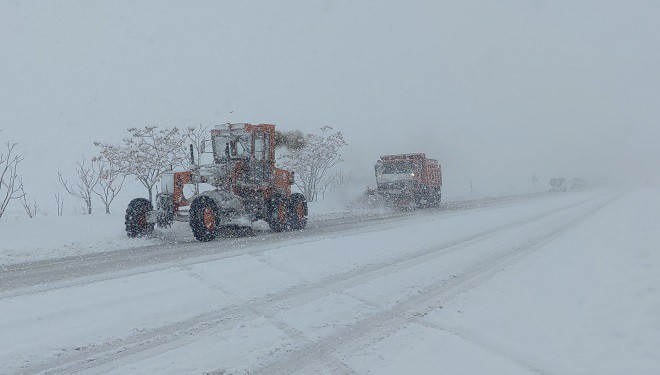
<point>246,187</point>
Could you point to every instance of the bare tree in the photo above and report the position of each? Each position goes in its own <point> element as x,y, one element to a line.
<point>146,154</point>
<point>60,204</point>
<point>30,207</point>
<point>86,180</point>
<point>313,162</point>
<point>11,186</point>
<point>197,137</point>
<point>110,183</point>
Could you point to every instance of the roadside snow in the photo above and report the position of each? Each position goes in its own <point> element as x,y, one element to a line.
<point>45,237</point>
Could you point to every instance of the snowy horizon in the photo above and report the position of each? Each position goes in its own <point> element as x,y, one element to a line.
<point>496,92</point>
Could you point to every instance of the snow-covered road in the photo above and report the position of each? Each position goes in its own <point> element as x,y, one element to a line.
<point>549,284</point>
<point>77,261</point>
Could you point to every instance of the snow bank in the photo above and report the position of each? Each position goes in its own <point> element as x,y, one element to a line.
<point>58,236</point>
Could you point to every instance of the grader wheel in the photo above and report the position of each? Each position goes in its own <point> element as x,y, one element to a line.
<point>136,218</point>
<point>297,211</point>
<point>278,214</point>
<point>204,218</point>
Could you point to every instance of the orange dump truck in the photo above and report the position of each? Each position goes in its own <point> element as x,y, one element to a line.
<point>409,180</point>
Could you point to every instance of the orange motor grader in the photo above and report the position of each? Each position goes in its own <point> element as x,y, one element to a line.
<point>246,187</point>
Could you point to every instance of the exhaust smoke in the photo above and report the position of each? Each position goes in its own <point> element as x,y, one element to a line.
<point>293,140</point>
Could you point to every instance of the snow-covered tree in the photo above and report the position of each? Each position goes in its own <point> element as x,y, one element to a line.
<point>87,177</point>
<point>110,183</point>
<point>11,186</point>
<point>147,153</point>
<point>197,137</point>
<point>313,162</point>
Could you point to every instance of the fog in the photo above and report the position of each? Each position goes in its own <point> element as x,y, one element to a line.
<point>497,91</point>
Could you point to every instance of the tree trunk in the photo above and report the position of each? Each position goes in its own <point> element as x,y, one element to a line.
<point>88,201</point>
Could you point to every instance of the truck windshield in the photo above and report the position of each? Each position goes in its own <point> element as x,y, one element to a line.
<point>394,167</point>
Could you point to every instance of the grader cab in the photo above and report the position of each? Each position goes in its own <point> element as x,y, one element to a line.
<point>245,186</point>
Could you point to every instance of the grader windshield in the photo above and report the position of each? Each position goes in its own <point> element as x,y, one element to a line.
<point>234,146</point>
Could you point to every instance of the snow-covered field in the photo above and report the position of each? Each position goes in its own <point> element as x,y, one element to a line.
<point>45,237</point>
<point>554,284</point>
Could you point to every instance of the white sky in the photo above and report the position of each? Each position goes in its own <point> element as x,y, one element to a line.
<point>496,90</point>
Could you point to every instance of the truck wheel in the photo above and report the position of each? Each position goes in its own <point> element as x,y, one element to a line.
<point>278,214</point>
<point>204,218</point>
<point>136,218</point>
<point>297,211</point>
<point>435,200</point>
<point>164,210</point>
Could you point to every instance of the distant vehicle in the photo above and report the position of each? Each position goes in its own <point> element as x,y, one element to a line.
<point>558,184</point>
<point>577,183</point>
<point>409,180</point>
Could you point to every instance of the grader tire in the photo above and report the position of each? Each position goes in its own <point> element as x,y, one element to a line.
<point>204,218</point>
<point>136,218</point>
<point>165,210</point>
<point>297,211</point>
<point>278,213</point>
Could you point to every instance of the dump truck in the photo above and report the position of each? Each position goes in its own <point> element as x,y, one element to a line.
<point>408,180</point>
<point>246,186</point>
